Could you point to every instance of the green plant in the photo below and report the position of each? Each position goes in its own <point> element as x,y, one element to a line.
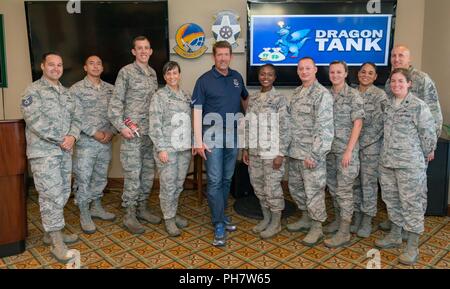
<point>446,128</point>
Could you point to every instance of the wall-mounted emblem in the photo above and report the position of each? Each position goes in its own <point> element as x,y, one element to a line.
<point>226,27</point>
<point>190,40</point>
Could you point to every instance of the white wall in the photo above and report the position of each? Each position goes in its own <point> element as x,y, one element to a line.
<point>410,27</point>
<point>18,65</point>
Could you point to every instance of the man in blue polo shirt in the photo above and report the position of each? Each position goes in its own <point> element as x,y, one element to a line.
<point>217,97</point>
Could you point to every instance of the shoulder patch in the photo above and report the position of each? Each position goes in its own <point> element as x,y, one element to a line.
<point>27,101</point>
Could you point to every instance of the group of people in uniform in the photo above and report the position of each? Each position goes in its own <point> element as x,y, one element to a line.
<point>347,139</point>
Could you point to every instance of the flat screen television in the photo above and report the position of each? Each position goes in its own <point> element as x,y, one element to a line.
<point>104,28</point>
<point>282,33</point>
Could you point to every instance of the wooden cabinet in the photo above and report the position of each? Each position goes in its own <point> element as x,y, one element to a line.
<point>13,176</point>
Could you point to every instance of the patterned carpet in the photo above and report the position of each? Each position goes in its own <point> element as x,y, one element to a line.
<point>113,247</point>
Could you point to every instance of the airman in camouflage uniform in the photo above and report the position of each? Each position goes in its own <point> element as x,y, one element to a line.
<point>424,88</point>
<point>409,137</point>
<point>348,116</point>
<point>53,124</point>
<point>311,109</point>
<point>135,85</point>
<point>93,150</point>
<point>169,108</point>
<point>366,188</point>
<point>265,154</point>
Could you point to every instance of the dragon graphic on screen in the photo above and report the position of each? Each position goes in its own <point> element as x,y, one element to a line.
<point>288,44</point>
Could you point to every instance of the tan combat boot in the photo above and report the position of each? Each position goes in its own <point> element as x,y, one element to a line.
<point>274,226</point>
<point>181,222</point>
<point>58,248</point>
<point>341,238</point>
<point>392,240</point>
<point>303,224</point>
<point>171,227</point>
<point>315,234</point>
<point>87,225</point>
<point>131,223</point>
<point>356,222</point>
<point>144,214</point>
<point>261,226</point>
<point>411,252</point>
<point>97,211</point>
<point>334,226</point>
<point>67,238</point>
<point>365,229</point>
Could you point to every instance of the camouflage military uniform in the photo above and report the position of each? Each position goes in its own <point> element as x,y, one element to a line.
<point>92,158</point>
<point>50,113</point>
<point>366,188</point>
<point>424,88</point>
<point>133,91</point>
<point>409,136</point>
<point>167,109</point>
<point>265,144</point>
<point>312,134</point>
<point>348,107</point>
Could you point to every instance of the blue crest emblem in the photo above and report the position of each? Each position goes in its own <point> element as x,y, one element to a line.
<point>190,40</point>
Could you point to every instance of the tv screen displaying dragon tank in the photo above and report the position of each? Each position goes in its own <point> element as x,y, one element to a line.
<point>352,31</point>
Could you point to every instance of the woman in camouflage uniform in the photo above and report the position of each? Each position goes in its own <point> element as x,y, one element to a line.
<point>343,160</point>
<point>170,131</point>
<point>409,137</point>
<point>366,187</point>
<point>266,164</point>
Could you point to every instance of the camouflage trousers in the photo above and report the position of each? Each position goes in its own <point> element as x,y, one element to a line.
<point>267,183</point>
<point>307,188</point>
<point>340,182</point>
<point>171,180</point>
<point>366,185</point>
<point>90,168</point>
<point>52,176</point>
<point>136,156</point>
<point>425,188</point>
<point>403,199</point>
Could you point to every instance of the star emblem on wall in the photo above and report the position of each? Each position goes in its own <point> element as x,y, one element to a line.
<point>226,27</point>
